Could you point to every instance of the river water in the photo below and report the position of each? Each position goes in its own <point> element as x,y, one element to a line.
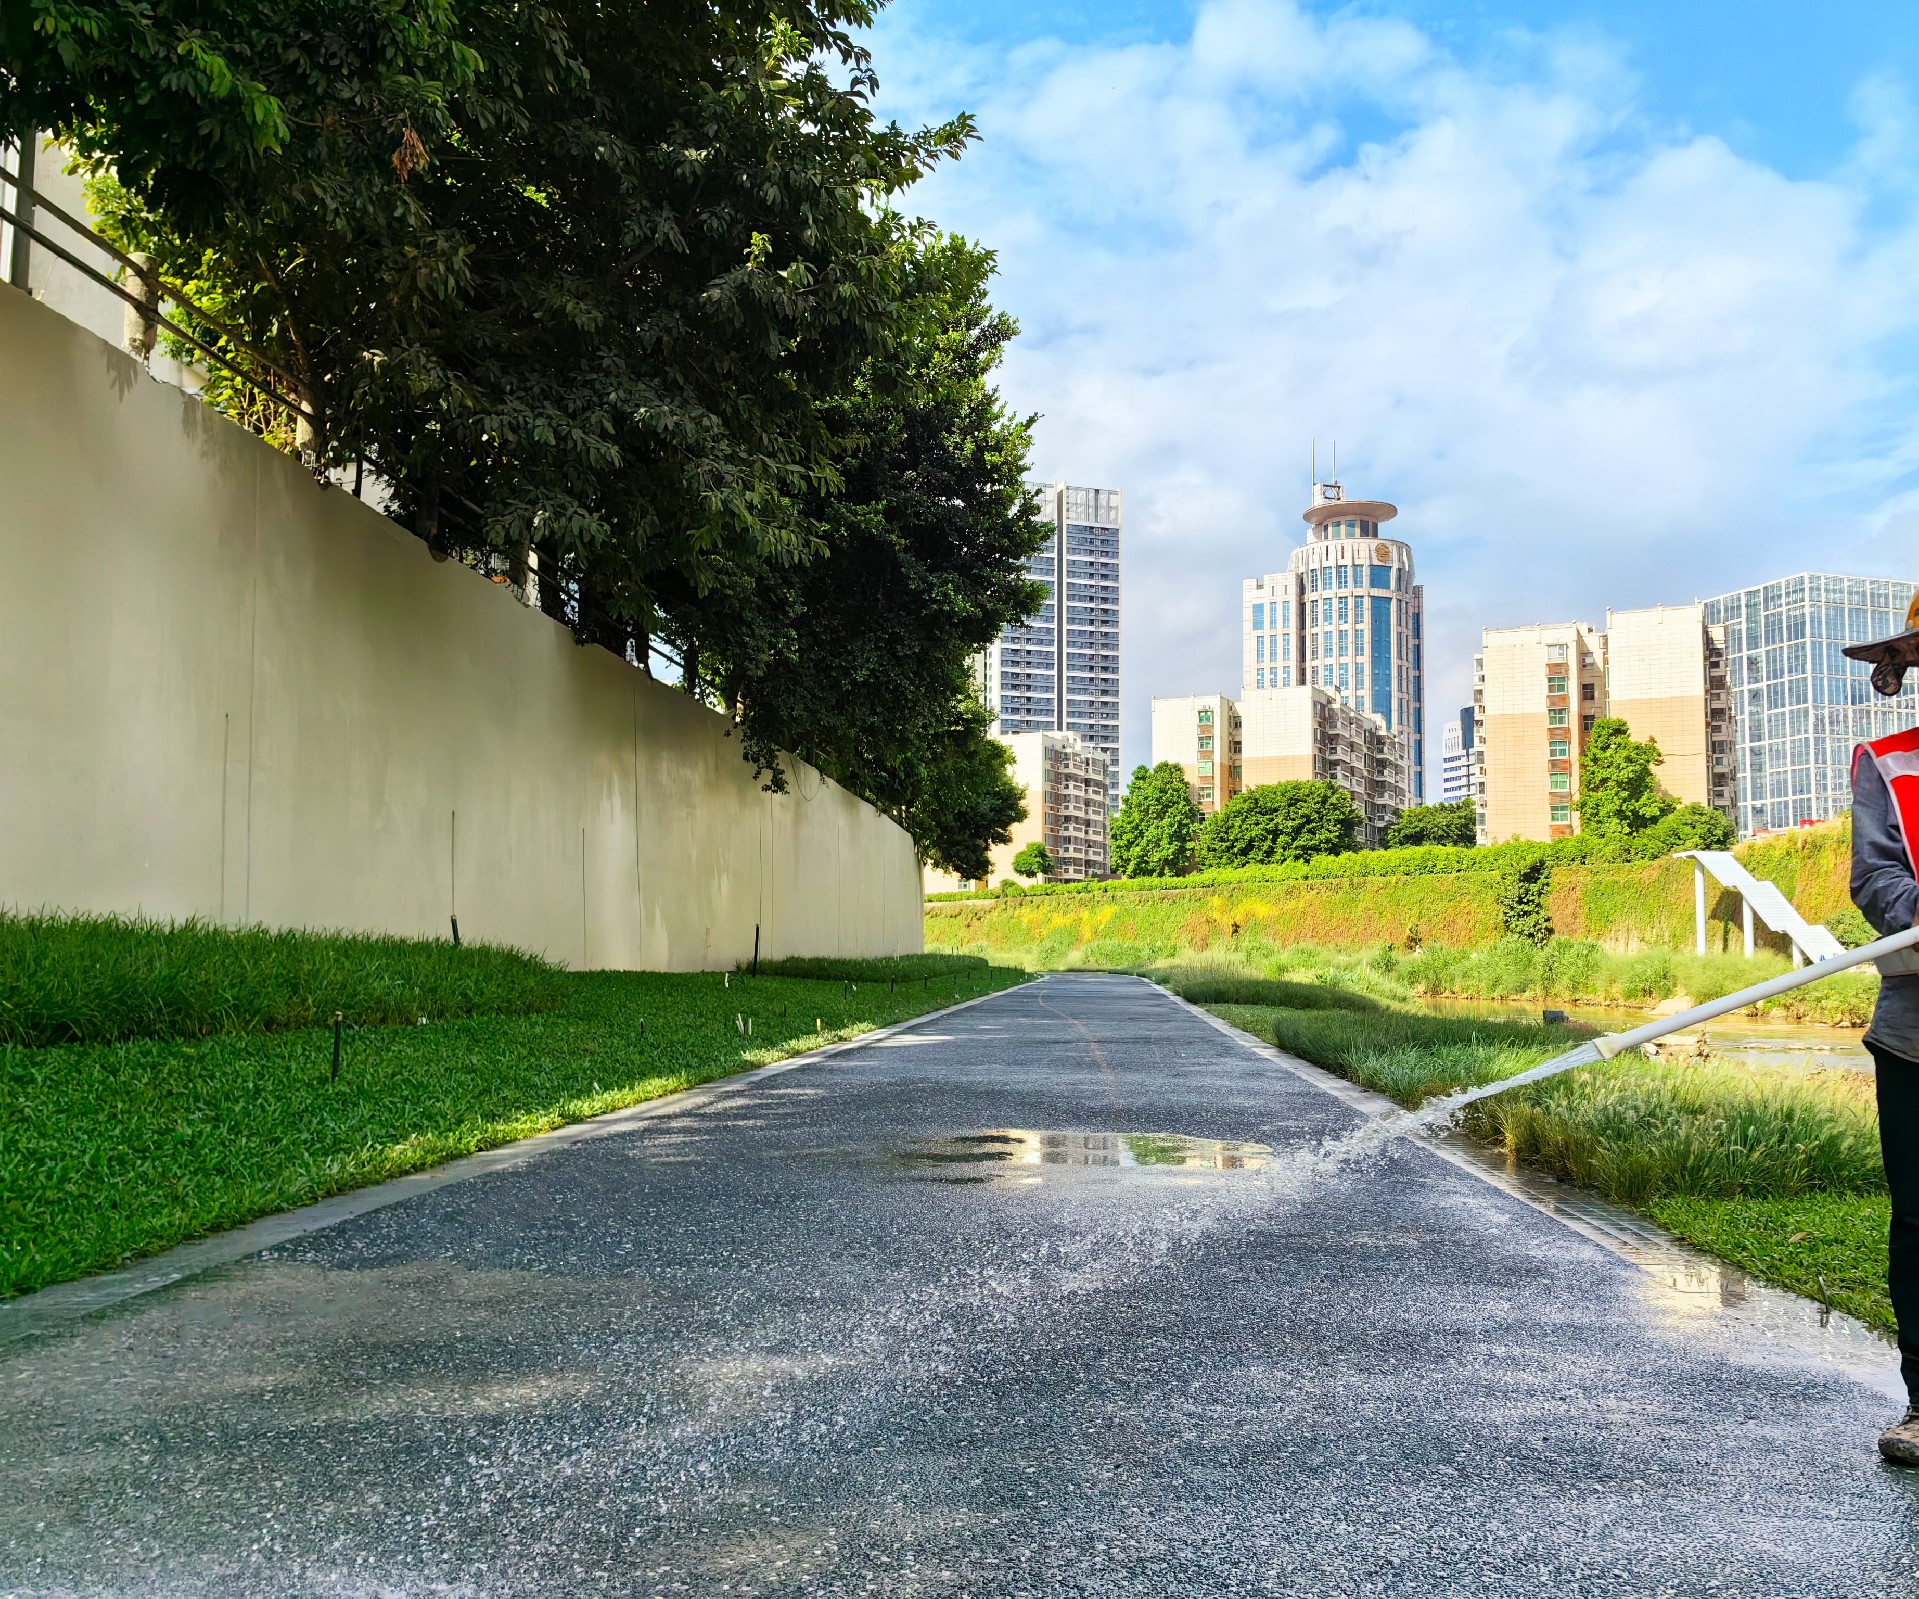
<point>1782,1046</point>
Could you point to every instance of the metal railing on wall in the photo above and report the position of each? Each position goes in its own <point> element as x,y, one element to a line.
<point>28,212</point>
<point>34,217</point>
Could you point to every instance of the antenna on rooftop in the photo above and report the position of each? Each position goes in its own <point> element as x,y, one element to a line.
<point>1315,460</point>
<point>1335,460</point>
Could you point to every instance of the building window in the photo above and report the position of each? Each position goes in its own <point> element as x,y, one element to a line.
<point>1343,681</point>
<point>1559,782</point>
<point>1312,613</point>
<point>1586,692</point>
<point>1205,718</point>
<point>1286,613</point>
<point>1206,796</point>
<point>1345,609</point>
<point>1556,716</point>
<point>1286,677</point>
<point>1312,580</point>
<point>1382,577</point>
<point>1555,685</point>
<point>1562,813</point>
<point>1286,647</point>
<point>1343,640</point>
<point>1585,724</point>
<point>1342,577</point>
<point>1206,741</point>
<point>1259,618</point>
<point>1259,649</point>
<point>1315,651</point>
<point>1558,749</point>
<point>1205,768</point>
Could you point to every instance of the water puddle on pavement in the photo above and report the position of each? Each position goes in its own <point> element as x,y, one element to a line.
<point>1024,1155</point>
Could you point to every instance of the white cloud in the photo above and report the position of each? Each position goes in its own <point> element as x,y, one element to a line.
<point>1595,360</point>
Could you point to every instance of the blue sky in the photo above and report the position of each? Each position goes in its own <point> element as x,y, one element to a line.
<point>1619,304</point>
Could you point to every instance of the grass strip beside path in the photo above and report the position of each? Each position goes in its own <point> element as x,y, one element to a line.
<point>109,1152</point>
<point>102,979</point>
<point>1777,1173</point>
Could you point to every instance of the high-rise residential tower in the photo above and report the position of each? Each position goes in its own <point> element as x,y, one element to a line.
<point>1798,705</point>
<point>1538,690</point>
<point>1346,617</point>
<point>1060,671</point>
<point>1456,759</point>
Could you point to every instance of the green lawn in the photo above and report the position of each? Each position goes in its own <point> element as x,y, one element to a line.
<point>99,979</point>
<point>1777,1173</point>
<point>110,1151</point>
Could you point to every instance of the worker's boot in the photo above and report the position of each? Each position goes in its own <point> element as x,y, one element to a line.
<point>1899,1443</point>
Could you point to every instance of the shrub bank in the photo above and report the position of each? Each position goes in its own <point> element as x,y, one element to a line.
<point>1459,911</point>
<point>1430,895</point>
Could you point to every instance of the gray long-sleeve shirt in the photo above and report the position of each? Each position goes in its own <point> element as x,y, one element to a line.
<point>1884,889</point>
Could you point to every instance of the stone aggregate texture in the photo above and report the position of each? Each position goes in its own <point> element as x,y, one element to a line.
<point>782,1344</point>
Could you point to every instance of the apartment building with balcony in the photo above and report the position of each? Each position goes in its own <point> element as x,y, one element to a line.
<point>1063,779</point>
<point>1456,758</point>
<point>1538,690</point>
<point>1201,734</point>
<point>1059,671</point>
<point>1283,735</point>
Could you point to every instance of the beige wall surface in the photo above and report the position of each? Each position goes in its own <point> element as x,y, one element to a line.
<point>226,692</point>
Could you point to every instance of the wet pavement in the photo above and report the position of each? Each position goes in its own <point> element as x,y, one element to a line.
<point>1021,1301</point>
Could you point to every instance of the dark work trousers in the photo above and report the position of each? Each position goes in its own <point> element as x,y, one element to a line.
<point>1899,1143</point>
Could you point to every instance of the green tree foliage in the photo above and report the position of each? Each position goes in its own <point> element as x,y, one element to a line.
<point>1524,890</point>
<point>1692,826</point>
<point>1618,793</point>
<point>858,660</point>
<point>1453,824</point>
<point>572,279</point>
<point>1280,822</point>
<point>1033,861</point>
<point>1152,833</point>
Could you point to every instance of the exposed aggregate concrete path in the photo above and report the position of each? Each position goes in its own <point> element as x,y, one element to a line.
<point>798,1340</point>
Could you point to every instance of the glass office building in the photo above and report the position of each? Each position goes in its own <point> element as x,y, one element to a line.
<point>1059,673</point>
<point>1799,706</point>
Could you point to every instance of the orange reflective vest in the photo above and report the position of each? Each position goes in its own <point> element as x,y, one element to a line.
<point>1897,758</point>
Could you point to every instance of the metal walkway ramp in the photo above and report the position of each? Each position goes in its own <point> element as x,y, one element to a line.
<point>1756,897</point>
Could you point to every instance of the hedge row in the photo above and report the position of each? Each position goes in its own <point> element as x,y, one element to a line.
<point>1449,900</point>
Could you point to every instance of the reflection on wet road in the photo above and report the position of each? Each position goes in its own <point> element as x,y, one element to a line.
<point>748,1348</point>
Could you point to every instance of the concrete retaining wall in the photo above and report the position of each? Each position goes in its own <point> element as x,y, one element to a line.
<point>226,692</point>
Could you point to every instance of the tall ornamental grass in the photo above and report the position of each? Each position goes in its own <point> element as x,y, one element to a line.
<point>1636,1130</point>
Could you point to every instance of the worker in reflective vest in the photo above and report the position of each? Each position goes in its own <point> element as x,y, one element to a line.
<point>1885,887</point>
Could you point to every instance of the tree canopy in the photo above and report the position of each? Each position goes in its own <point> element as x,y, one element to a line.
<point>1278,822</point>
<point>1618,793</point>
<point>614,296</point>
<point>1454,824</point>
<point>1035,860</point>
<point>1152,833</point>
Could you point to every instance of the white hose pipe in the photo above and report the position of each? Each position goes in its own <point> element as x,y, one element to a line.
<point>1617,1043</point>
